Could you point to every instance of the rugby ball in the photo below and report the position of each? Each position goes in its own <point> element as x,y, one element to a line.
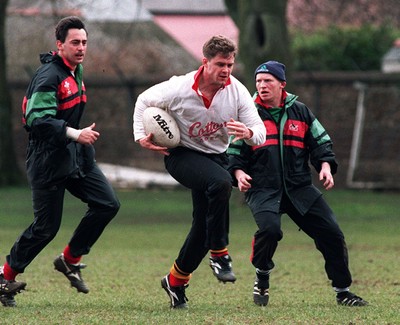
<point>163,127</point>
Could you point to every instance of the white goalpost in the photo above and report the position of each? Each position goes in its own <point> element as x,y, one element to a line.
<point>357,142</point>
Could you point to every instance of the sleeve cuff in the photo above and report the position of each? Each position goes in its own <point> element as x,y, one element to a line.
<point>73,133</point>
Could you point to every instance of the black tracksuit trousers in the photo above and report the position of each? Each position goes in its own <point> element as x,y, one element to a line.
<point>93,189</point>
<point>211,187</point>
<point>319,223</point>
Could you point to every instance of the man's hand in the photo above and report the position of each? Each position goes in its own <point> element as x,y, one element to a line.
<point>239,130</point>
<point>243,180</point>
<point>88,135</point>
<point>147,143</point>
<point>326,176</point>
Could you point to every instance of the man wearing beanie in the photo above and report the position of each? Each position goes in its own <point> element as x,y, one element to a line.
<point>276,179</point>
<point>275,68</point>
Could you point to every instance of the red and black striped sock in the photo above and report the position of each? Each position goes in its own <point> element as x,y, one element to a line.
<point>177,277</point>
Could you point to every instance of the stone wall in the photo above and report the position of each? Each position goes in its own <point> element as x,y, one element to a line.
<point>333,97</point>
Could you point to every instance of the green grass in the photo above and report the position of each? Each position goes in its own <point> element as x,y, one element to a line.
<point>126,265</point>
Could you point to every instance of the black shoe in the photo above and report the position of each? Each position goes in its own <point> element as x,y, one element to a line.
<point>10,287</point>
<point>350,299</point>
<point>8,300</point>
<point>222,268</point>
<point>260,292</point>
<point>72,272</point>
<point>176,294</point>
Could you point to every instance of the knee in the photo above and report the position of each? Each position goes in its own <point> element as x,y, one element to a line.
<point>221,187</point>
<point>271,232</point>
<point>333,234</point>
<point>45,233</point>
<point>111,209</point>
<point>114,207</point>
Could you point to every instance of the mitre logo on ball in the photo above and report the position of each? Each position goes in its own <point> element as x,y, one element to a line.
<point>163,127</point>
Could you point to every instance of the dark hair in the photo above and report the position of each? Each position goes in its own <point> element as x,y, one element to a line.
<point>66,24</point>
<point>219,45</point>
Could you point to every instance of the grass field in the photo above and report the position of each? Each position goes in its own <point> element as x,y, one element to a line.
<point>138,248</point>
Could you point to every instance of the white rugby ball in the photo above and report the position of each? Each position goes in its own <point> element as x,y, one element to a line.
<point>163,127</point>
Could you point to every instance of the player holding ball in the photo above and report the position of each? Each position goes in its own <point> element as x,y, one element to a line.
<point>209,105</point>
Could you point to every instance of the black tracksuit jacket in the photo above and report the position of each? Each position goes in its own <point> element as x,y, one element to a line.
<point>282,162</point>
<point>55,99</point>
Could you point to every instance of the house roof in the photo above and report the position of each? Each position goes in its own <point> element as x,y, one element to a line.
<point>191,32</point>
<point>191,22</point>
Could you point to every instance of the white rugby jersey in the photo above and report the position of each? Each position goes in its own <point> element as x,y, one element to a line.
<point>202,125</point>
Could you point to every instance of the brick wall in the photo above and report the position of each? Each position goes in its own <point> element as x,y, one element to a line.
<point>331,96</point>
